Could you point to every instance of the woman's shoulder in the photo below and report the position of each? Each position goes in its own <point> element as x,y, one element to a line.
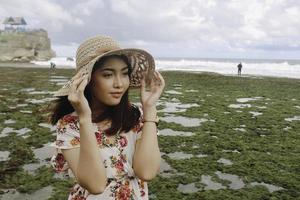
<point>69,118</point>
<point>68,122</point>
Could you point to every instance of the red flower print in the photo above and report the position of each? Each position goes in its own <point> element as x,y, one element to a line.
<point>119,165</point>
<point>113,159</point>
<point>78,193</point>
<point>70,119</point>
<point>142,184</point>
<point>124,193</point>
<point>59,162</point>
<point>74,126</point>
<point>142,187</point>
<point>98,137</point>
<point>137,128</point>
<point>78,198</point>
<point>59,142</point>
<point>75,141</point>
<point>123,141</point>
<point>123,157</point>
<point>61,127</point>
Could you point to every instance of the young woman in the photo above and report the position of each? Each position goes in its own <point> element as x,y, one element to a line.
<point>108,144</point>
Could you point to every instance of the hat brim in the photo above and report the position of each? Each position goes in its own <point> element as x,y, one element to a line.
<point>141,61</point>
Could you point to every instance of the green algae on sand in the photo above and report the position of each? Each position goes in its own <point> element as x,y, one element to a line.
<point>263,148</point>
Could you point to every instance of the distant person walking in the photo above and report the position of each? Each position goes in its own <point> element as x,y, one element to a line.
<point>52,68</point>
<point>240,66</point>
<point>52,65</point>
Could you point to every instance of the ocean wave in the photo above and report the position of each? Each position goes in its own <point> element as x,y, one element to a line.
<point>227,67</point>
<point>280,69</point>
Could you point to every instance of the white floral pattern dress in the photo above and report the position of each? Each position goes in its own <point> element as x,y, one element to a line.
<point>122,183</point>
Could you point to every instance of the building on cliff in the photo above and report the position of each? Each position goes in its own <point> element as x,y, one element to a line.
<point>18,44</point>
<point>14,24</point>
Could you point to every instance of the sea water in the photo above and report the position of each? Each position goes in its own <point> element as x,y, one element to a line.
<point>252,67</point>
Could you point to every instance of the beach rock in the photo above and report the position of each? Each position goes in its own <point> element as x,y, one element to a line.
<point>25,46</point>
<point>70,59</point>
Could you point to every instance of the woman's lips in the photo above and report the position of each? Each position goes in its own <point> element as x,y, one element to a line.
<point>116,94</point>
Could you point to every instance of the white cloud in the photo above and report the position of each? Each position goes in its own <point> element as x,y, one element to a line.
<point>65,50</point>
<point>87,7</point>
<point>171,27</point>
<point>39,14</point>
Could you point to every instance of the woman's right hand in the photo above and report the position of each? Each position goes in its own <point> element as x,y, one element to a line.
<point>77,98</point>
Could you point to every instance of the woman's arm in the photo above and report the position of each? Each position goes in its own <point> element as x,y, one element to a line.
<point>91,171</point>
<point>86,162</point>
<point>147,158</point>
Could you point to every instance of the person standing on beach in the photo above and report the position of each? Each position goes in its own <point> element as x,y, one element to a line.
<point>52,65</point>
<point>52,68</point>
<point>108,144</point>
<point>240,66</point>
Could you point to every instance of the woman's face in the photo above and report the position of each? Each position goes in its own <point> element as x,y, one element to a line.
<point>110,82</point>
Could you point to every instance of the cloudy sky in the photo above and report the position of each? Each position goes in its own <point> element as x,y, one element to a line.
<point>170,28</point>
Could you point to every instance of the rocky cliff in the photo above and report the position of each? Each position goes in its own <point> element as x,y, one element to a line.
<point>25,46</point>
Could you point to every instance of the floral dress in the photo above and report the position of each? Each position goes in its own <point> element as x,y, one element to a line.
<point>117,157</point>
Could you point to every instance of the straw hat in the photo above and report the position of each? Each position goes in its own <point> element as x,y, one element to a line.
<point>93,49</point>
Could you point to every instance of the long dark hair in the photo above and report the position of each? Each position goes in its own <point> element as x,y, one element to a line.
<point>123,116</point>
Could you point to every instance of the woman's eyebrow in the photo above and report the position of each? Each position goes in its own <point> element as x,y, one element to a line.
<point>111,69</point>
<point>107,69</point>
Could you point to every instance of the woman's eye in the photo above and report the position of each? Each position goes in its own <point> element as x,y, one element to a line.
<point>107,75</point>
<point>125,73</point>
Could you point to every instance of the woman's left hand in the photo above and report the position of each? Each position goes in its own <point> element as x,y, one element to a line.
<point>151,96</point>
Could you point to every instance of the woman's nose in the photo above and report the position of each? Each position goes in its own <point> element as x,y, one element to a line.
<point>118,82</point>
